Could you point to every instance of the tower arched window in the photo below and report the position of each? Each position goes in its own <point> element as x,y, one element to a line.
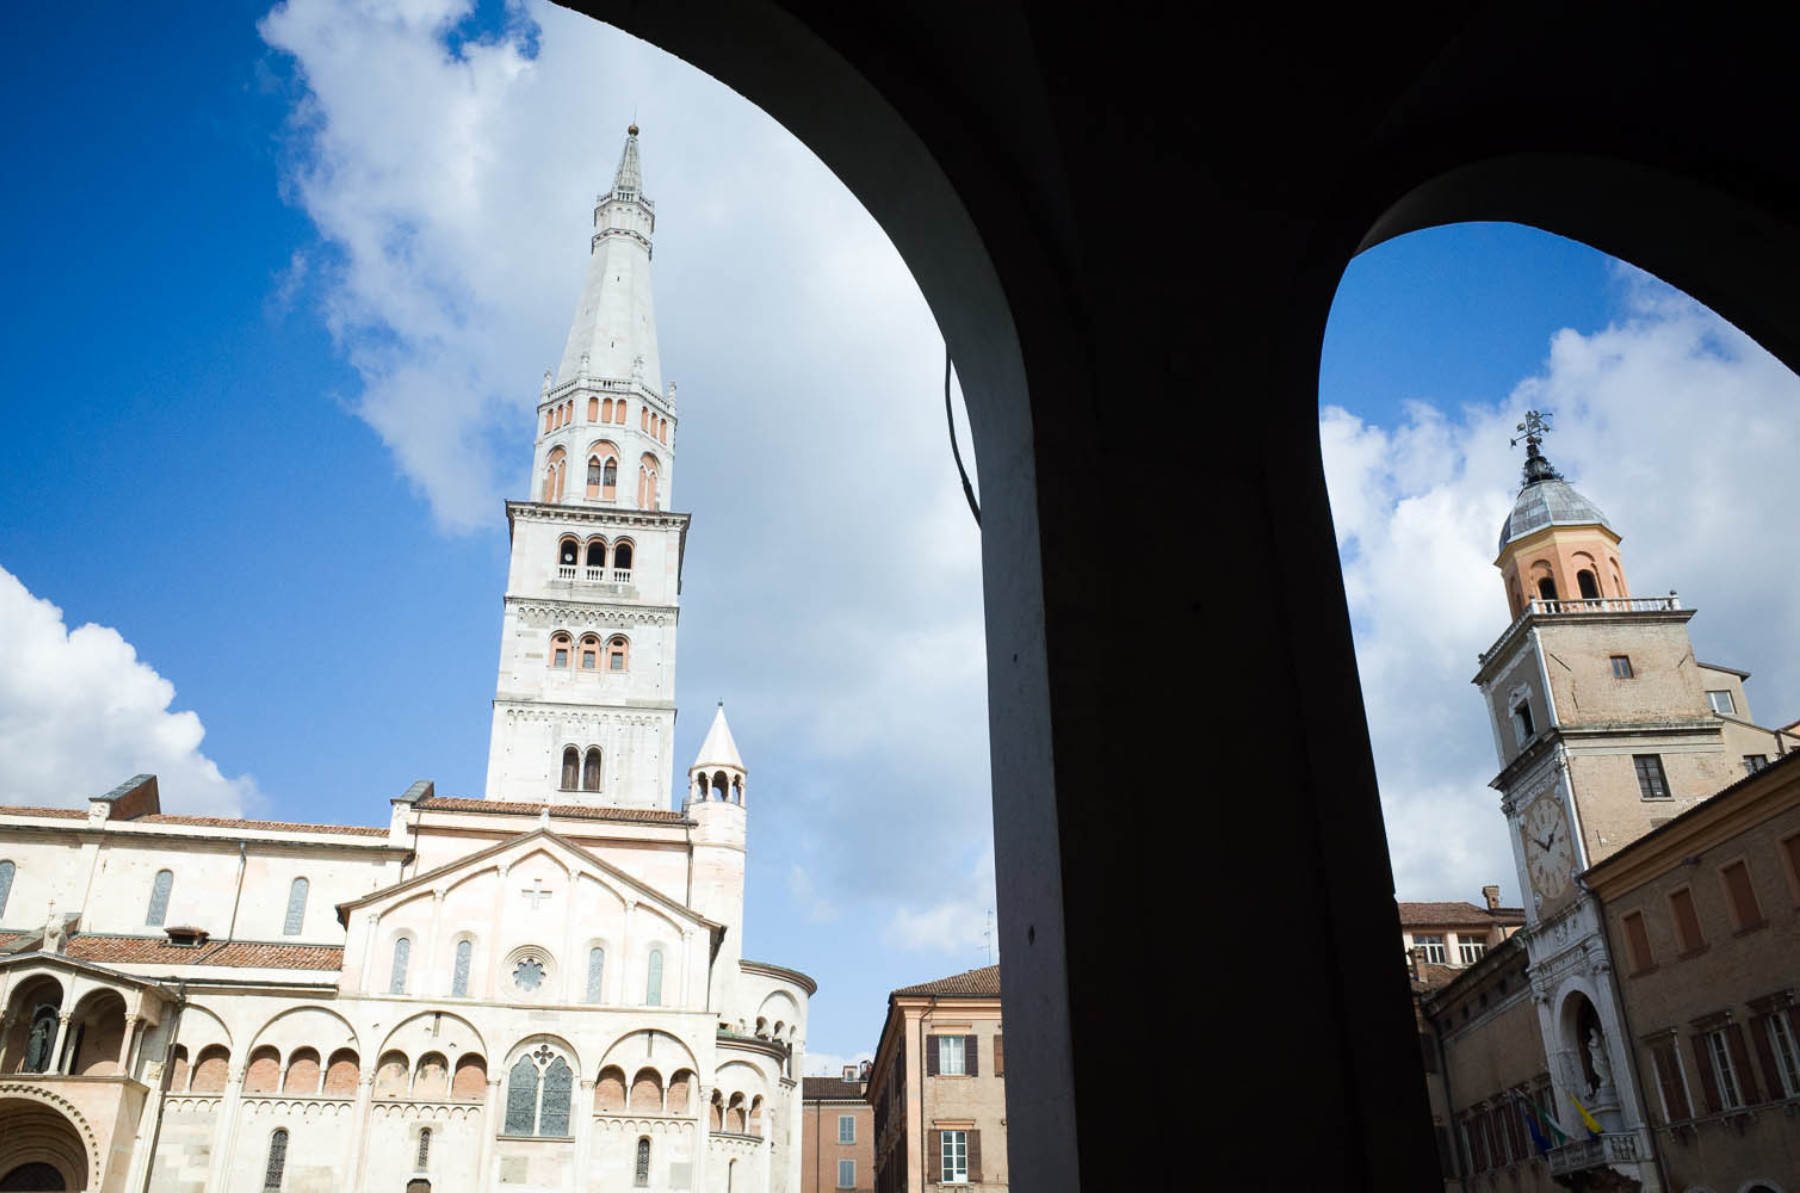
<point>593,476</point>
<point>609,478</point>
<point>459,977</point>
<point>553,474</point>
<point>596,553</point>
<point>606,411</point>
<point>617,654</point>
<point>571,768</point>
<point>549,421</point>
<point>596,974</point>
<point>590,653</point>
<point>653,979</point>
<point>276,1167</point>
<point>559,650</point>
<point>644,419</point>
<point>622,557</point>
<point>1590,587</point>
<point>648,469</point>
<point>593,410</point>
<point>160,886</point>
<point>397,975</point>
<point>1546,588</point>
<point>7,870</point>
<point>619,412</point>
<point>296,908</point>
<point>590,770</point>
<point>568,553</point>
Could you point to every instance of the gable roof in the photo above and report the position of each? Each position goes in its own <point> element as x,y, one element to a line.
<point>151,950</point>
<point>974,983</point>
<point>473,860</point>
<point>1431,915</point>
<point>835,1089</point>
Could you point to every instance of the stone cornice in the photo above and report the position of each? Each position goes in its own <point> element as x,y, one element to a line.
<point>595,515</point>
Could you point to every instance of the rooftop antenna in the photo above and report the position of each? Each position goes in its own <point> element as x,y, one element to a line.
<point>988,935</point>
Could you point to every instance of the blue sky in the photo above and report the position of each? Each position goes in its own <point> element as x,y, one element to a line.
<point>275,331</point>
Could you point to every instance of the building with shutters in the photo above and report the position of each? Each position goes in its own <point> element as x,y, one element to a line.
<point>937,1086</point>
<point>837,1132</point>
<point>1611,738</point>
<point>543,989</point>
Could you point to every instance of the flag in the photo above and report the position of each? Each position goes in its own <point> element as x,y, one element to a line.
<point>1587,1120</point>
<point>1538,1139</point>
<point>1558,1136</point>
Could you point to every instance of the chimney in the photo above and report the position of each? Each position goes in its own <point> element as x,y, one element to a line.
<point>849,1072</point>
<point>1492,895</point>
<point>1418,963</point>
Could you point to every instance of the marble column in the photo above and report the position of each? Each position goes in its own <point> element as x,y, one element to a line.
<point>58,1062</point>
<point>583,1112</point>
<point>359,1127</point>
<point>225,1130</point>
<point>490,1130</point>
<point>702,1133</point>
<point>132,1024</point>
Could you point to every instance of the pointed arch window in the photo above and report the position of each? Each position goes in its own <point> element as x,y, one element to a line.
<point>596,976</point>
<point>617,652</point>
<point>276,1168</point>
<point>160,887</point>
<point>296,908</point>
<point>609,479</point>
<point>459,977</point>
<point>559,651</point>
<point>593,476</point>
<point>6,880</point>
<point>653,981</point>
<point>538,1096</point>
<point>590,770</point>
<point>397,976</point>
<point>571,767</point>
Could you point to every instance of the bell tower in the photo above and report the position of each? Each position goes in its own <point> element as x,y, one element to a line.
<point>1603,731</point>
<point>584,710</point>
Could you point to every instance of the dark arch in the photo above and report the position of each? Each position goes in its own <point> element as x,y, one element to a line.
<point>1010,164</point>
<point>39,1147</point>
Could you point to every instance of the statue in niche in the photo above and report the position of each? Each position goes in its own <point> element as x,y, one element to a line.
<point>1596,1050</point>
<point>41,1040</point>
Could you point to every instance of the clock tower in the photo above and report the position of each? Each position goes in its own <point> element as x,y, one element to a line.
<point>1603,730</point>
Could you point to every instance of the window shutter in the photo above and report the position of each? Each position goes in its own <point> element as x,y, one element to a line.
<point>1740,1060</point>
<point>1668,1074</point>
<point>1709,1084</point>
<point>931,1056</point>
<point>999,1056</point>
<point>1477,1144</point>
<point>934,1154</point>
<point>971,1056</point>
<point>975,1157</point>
<point>1765,1055</point>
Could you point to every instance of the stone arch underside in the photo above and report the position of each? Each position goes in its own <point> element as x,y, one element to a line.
<point>40,1128</point>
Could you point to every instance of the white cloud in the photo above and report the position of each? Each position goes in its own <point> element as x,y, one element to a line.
<point>817,910</point>
<point>1680,428</point>
<point>79,712</point>
<point>955,923</point>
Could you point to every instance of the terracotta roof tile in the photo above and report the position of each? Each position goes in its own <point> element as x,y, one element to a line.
<point>976,983</point>
<point>817,1088</point>
<point>1429,915</point>
<point>152,950</point>
<point>447,803</point>
<point>354,830</point>
<point>59,813</point>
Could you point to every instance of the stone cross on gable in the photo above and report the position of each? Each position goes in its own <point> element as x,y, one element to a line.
<point>536,892</point>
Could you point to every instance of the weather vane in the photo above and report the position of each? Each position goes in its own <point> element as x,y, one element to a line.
<point>1535,426</point>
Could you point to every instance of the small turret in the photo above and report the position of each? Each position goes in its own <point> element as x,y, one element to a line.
<point>718,773</point>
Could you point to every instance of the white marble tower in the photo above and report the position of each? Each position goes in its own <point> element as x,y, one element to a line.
<point>584,711</point>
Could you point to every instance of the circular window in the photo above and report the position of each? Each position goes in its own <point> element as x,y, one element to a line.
<point>528,974</point>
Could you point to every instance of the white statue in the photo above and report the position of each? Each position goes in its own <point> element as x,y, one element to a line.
<point>1596,1050</point>
<point>56,933</point>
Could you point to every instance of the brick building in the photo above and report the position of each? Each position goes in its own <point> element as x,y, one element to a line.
<point>837,1132</point>
<point>937,1088</point>
<point>1603,1046</point>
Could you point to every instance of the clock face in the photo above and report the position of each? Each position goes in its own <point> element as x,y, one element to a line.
<point>1549,850</point>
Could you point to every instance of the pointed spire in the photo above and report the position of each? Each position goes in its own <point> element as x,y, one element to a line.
<point>718,749</point>
<point>629,178</point>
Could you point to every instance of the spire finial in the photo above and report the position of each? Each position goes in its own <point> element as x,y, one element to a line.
<point>628,179</point>
<point>1535,427</point>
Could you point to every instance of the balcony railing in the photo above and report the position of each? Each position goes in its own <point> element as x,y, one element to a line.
<point>1613,1147</point>
<point>1668,604</point>
<point>570,571</point>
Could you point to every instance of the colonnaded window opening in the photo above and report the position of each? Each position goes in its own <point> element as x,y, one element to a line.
<point>1554,718</point>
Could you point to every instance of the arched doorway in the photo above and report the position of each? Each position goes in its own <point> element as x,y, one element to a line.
<point>39,1148</point>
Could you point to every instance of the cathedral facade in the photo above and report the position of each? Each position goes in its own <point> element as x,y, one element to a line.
<point>542,989</point>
